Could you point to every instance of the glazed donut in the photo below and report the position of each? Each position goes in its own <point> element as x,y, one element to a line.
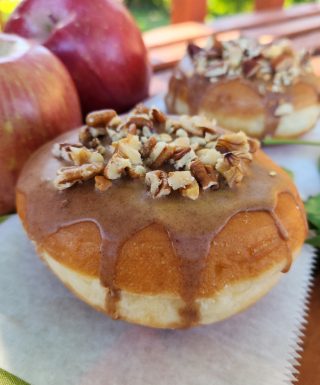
<point>262,90</point>
<point>162,221</point>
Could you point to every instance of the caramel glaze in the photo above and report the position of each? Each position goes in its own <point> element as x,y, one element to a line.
<point>126,208</point>
<point>195,87</point>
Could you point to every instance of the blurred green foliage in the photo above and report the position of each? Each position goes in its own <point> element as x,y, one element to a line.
<point>149,13</point>
<point>154,13</point>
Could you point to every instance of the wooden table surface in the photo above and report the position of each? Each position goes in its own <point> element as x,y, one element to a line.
<point>309,368</point>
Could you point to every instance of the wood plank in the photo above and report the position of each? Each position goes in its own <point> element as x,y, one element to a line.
<point>290,28</point>
<point>167,44</point>
<point>188,10</point>
<point>309,370</point>
<point>176,33</point>
<point>255,19</point>
<point>268,4</point>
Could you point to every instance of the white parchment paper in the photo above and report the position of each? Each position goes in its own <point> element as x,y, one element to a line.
<point>49,337</point>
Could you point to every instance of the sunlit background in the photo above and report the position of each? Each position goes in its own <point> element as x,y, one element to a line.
<point>154,13</point>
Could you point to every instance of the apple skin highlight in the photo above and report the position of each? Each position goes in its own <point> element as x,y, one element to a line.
<point>99,43</point>
<point>38,101</point>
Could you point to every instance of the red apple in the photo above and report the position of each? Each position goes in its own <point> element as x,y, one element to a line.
<point>38,101</point>
<point>98,42</point>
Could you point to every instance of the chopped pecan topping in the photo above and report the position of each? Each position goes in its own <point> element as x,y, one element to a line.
<point>129,147</point>
<point>100,118</point>
<point>157,116</point>
<point>191,191</point>
<point>277,64</point>
<point>205,174</point>
<point>233,167</point>
<point>82,155</point>
<point>140,121</point>
<point>180,179</point>
<point>140,109</point>
<point>116,167</point>
<point>183,156</point>
<point>68,176</point>
<point>148,146</point>
<point>157,182</point>
<point>187,155</point>
<point>137,171</point>
<point>208,156</point>
<point>250,67</point>
<point>233,142</point>
<point>159,154</point>
<point>101,183</point>
<point>254,145</point>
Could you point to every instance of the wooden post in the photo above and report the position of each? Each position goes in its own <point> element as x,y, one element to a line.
<point>264,5</point>
<point>188,10</point>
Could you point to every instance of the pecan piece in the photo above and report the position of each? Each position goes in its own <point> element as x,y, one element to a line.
<point>208,155</point>
<point>84,135</point>
<point>157,182</point>
<point>233,142</point>
<point>282,62</point>
<point>232,167</point>
<point>179,179</point>
<point>140,121</point>
<point>129,148</point>
<point>62,150</point>
<point>148,146</point>
<point>101,183</point>
<point>82,155</point>
<point>191,191</point>
<point>193,49</point>
<point>100,118</point>
<point>116,167</point>
<point>182,157</point>
<point>157,116</point>
<point>250,67</point>
<point>254,145</point>
<point>159,154</point>
<point>205,174</point>
<point>68,176</point>
<point>137,171</point>
<point>140,109</point>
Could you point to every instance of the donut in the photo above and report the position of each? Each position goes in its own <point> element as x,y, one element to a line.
<point>163,221</point>
<point>264,91</point>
